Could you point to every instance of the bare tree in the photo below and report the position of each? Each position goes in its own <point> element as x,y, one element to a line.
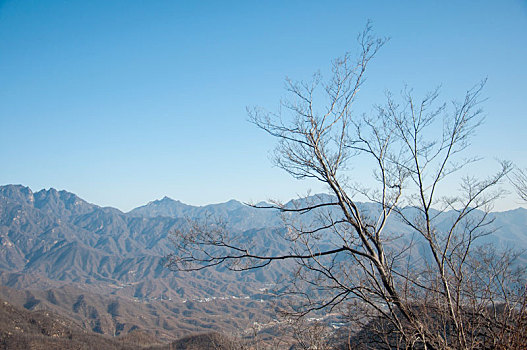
<point>417,282</point>
<point>310,334</point>
<point>519,181</point>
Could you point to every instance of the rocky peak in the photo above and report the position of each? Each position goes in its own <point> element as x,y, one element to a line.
<point>62,203</point>
<point>17,193</point>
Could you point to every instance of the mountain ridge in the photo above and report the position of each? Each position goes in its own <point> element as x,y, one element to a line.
<point>166,199</point>
<point>51,240</point>
<point>62,237</point>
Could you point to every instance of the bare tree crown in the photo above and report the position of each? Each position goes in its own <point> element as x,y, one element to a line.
<point>344,253</point>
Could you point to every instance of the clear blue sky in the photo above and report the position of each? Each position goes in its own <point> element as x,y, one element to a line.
<point>123,102</point>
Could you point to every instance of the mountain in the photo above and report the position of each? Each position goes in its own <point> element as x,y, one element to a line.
<point>103,268</point>
<point>59,237</point>
<point>239,216</point>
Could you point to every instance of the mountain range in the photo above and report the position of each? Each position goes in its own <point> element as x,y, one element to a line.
<point>103,268</point>
<point>50,237</point>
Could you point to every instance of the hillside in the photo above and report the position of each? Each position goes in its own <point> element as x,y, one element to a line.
<point>40,330</point>
<point>22,329</point>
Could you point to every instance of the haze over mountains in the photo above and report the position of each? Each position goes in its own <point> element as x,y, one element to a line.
<point>54,236</point>
<point>103,268</point>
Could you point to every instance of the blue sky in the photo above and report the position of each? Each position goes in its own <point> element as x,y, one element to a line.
<point>123,102</point>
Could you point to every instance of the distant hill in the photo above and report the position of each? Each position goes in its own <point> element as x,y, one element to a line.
<point>240,216</point>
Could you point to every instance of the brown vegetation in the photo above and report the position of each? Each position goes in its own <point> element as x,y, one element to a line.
<point>42,330</point>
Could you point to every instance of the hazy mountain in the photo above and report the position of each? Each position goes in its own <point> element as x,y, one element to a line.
<point>61,248</point>
<point>238,215</point>
<point>60,235</point>
<point>61,238</point>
